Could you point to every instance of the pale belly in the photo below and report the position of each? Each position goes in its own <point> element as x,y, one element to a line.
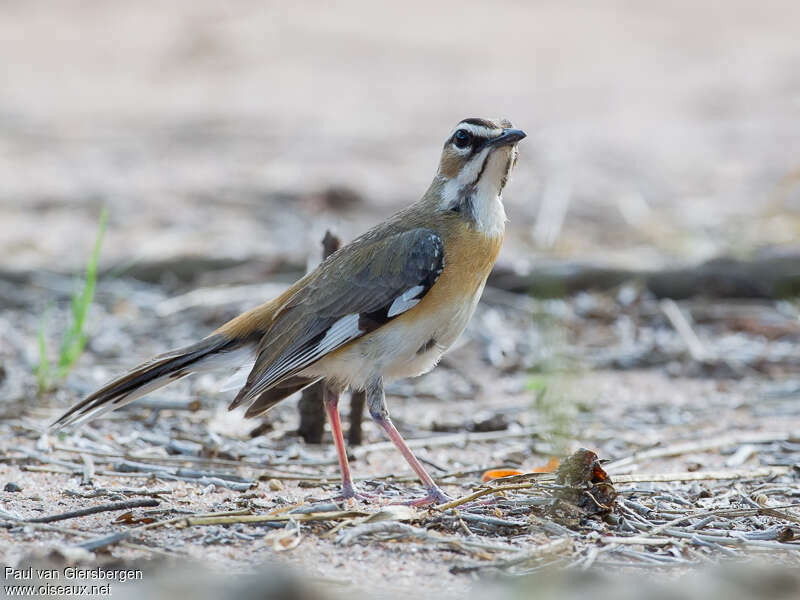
<point>408,346</point>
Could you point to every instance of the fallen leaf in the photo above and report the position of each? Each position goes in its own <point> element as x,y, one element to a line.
<point>129,519</point>
<point>498,473</point>
<point>550,467</point>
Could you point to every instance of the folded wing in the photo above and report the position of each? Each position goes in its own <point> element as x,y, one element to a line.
<point>354,292</point>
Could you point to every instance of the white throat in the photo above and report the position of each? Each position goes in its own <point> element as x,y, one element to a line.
<point>488,210</point>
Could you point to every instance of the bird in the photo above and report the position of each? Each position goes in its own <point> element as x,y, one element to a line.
<point>387,305</point>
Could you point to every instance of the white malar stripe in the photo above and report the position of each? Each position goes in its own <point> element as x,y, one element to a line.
<point>487,204</point>
<point>405,301</point>
<point>454,188</point>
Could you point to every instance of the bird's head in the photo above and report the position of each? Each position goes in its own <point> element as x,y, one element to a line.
<point>476,164</point>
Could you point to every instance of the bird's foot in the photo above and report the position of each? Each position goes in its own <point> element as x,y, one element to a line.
<point>435,496</point>
<point>349,492</point>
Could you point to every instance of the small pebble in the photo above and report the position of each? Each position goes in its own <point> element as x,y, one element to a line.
<point>12,487</point>
<point>274,485</point>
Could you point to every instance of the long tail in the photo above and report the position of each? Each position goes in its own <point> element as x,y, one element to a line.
<point>212,353</point>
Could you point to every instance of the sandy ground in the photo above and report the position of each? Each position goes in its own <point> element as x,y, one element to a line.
<point>646,408</point>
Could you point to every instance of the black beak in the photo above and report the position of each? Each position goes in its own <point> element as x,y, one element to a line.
<point>507,138</point>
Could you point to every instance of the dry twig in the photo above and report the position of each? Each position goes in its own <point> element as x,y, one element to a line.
<point>128,504</point>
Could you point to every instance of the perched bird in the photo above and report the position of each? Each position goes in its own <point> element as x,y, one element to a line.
<point>386,305</point>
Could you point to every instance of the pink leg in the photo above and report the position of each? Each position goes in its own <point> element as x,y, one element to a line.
<point>377,408</point>
<point>331,401</point>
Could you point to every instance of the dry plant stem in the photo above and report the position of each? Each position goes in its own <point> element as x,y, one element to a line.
<point>483,492</point>
<point>637,540</point>
<point>128,504</point>
<point>681,323</point>
<point>778,514</point>
<point>114,538</point>
<point>98,492</point>
<point>41,469</point>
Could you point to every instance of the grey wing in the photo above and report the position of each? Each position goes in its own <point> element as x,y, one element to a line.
<point>354,292</point>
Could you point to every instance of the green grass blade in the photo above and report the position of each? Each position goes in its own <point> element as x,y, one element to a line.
<point>74,338</point>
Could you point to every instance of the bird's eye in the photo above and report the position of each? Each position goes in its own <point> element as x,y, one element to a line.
<point>462,138</point>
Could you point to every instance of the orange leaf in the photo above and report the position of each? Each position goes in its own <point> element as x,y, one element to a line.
<point>550,467</point>
<point>498,473</point>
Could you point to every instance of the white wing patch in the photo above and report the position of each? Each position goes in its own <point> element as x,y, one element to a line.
<point>342,330</point>
<point>406,300</point>
<point>338,334</point>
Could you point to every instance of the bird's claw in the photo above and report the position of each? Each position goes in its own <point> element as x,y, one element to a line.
<point>434,496</point>
<point>351,493</point>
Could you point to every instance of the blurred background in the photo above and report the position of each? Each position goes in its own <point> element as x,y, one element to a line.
<point>659,133</point>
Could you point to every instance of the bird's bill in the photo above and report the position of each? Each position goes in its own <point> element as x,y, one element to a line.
<point>507,138</point>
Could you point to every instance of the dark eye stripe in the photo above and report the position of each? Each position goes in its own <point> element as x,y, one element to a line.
<point>478,144</point>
